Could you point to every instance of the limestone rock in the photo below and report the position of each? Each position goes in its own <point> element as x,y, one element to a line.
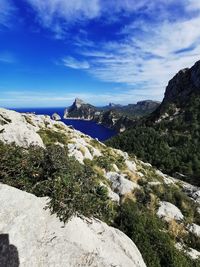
<point>130,165</point>
<point>192,253</point>
<point>194,228</point>
<point>80,110</point>
<point>15,129</point>
<point>40,239</point>
<point>169,212</point>
<point>120,184</point>
<point>56,117</point>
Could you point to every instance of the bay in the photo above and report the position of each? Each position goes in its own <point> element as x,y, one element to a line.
<point>90,128</point>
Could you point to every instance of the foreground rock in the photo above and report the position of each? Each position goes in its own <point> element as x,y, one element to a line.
<point>169,212</point>
<point>40,239</point>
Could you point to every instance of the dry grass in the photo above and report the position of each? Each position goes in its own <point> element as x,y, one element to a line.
<point>128,196</point>
<point>131,176</point>
<point>177,230</point>
<point>98,170</point>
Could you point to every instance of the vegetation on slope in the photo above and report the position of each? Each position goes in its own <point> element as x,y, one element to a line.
<point>75,189</point>
<point>144,229</point>
<point>172,145</point>
<point>72,187</point>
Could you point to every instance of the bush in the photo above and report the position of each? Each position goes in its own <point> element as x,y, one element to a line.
<point>50,137</point>
<point>80,194</point>
<point>73,188</point>
<point>144,229</point>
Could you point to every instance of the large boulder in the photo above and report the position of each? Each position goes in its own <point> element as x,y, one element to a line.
<point>37,238</point>
<point>56,117</point>
<point>168,212</point>
<point>120,184</point>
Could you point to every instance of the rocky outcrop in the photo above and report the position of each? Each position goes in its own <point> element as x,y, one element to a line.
<point>120,184</point>
<point>194,228</point>
<point>183,84</point>
<point>168,212</point>
<point>80,110</point>
<point>56,117</point>
<point>192,253</point>
<point>178,91</point>
<point>14,128</point>
<point>40,239</point>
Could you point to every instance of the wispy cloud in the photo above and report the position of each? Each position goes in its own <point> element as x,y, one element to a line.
<point>53,11</point>
<point>155,40</point>
<point>74,63</point>
<point>149,58</point>
<point>28,99</point>
<point>6,10</point>
<point>7,57</point>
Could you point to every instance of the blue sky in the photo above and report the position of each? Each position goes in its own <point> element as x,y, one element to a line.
<point>121,51</point>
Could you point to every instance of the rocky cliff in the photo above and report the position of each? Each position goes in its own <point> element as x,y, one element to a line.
<point>169,137</point>
<point>179,91</point>
<point>113,116</point>
<point>80,110</point>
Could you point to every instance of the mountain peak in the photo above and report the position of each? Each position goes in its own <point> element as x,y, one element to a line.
<point>78,102</point>
<point>185,82</point>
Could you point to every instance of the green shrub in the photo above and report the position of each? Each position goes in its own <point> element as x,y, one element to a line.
<point>50,137</point>
<point>73,188</point>
<point>80,194</point>
<point>145,230</point>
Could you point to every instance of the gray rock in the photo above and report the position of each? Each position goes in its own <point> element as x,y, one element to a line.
<point>194,228</point>
<point>40,239</point>
<point>56,117</point>
<point>16,129</point>
<point>120,184</point>
<point>169,212</point>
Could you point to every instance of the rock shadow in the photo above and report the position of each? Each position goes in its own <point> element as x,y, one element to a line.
<point>8,253</point>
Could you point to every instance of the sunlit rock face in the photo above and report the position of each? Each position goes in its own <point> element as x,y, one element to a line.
<point>15,129</point>
<point>40,239</point>
<point>56,117</point>
<point>168,211</point>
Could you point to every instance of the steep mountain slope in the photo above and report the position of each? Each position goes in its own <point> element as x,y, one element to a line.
<point>85,178</point>
<point>140,109</point>
<point>170,137</point>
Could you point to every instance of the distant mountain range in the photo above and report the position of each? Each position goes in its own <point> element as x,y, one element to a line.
<point>113,116</point>
<point>169,138</point>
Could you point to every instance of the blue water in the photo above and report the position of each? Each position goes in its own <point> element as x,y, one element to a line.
<point>88,127</point>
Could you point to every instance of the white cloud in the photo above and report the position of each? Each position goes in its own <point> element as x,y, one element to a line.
<point>73,63</point>
<point>193,5</point>
<point>148,60</point>
<point>28,99</point>
<point>150,54</point>
<point>51,10</point>
<point>58,14</point>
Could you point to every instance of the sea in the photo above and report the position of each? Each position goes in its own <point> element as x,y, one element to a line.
<point>87,127</point>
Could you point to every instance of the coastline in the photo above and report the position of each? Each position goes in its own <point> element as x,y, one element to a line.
<point>93,120</point>
<point>73,118</point>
